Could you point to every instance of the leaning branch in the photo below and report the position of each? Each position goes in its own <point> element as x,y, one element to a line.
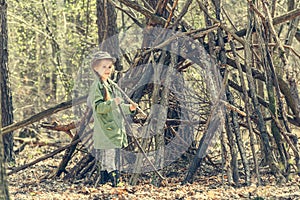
<point>284,88</point>
<point>146,12</point>
<point>129,14</point>
<point>43,114</point>
<point>278,20</point>
<point>287,16</point>
<point>222,25</point>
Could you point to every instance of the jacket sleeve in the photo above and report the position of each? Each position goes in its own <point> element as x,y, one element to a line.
<point>101,106</point>
<point>126,109</point>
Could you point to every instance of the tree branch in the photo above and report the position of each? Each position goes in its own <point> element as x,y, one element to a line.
<point>278,20</point>
<point>57,151</point>
<point>146,12</point>
<point>287,16</point>
<point>43,114</point>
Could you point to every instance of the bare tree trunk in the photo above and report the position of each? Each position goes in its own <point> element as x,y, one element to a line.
<point>107,29</point>
<point>6,98</point>
<point>4,194</point>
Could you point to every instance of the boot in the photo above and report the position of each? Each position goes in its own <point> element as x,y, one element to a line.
<point>114,177</point>
<point>104,177</point>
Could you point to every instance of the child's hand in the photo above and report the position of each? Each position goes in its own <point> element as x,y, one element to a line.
<point>133,106</point>
<point>118,100</point>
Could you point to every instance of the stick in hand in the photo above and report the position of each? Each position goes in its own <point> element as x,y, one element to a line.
<point>133,104</point>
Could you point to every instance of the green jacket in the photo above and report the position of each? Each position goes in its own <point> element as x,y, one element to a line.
<point>109,126</point>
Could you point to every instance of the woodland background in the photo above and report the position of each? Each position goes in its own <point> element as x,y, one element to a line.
<point>48,42</point>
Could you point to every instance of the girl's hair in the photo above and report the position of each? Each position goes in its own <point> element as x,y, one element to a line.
<point>106,94</point>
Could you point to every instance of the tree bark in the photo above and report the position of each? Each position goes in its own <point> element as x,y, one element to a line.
<point>233,151</point>
<point>291,75</point>
<point>6,98</point>
<point>4,194</point>
<point>107,27</point>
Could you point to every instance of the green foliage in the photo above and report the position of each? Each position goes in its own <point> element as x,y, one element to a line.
<point>47,42</point>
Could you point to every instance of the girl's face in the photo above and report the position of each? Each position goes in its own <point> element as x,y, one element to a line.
<point>104,68</point>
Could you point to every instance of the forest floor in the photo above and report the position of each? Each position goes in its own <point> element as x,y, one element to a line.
<point>28,184</point>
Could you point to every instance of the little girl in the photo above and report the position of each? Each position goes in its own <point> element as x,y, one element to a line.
<point>109,134</point>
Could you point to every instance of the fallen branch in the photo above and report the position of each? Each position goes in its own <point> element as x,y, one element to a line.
<point>36,142</point>
<point>57,151</point>
<point>270,44</point>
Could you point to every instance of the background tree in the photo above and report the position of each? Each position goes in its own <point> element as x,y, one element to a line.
<point>6,96</point>
<point>4,194</point>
